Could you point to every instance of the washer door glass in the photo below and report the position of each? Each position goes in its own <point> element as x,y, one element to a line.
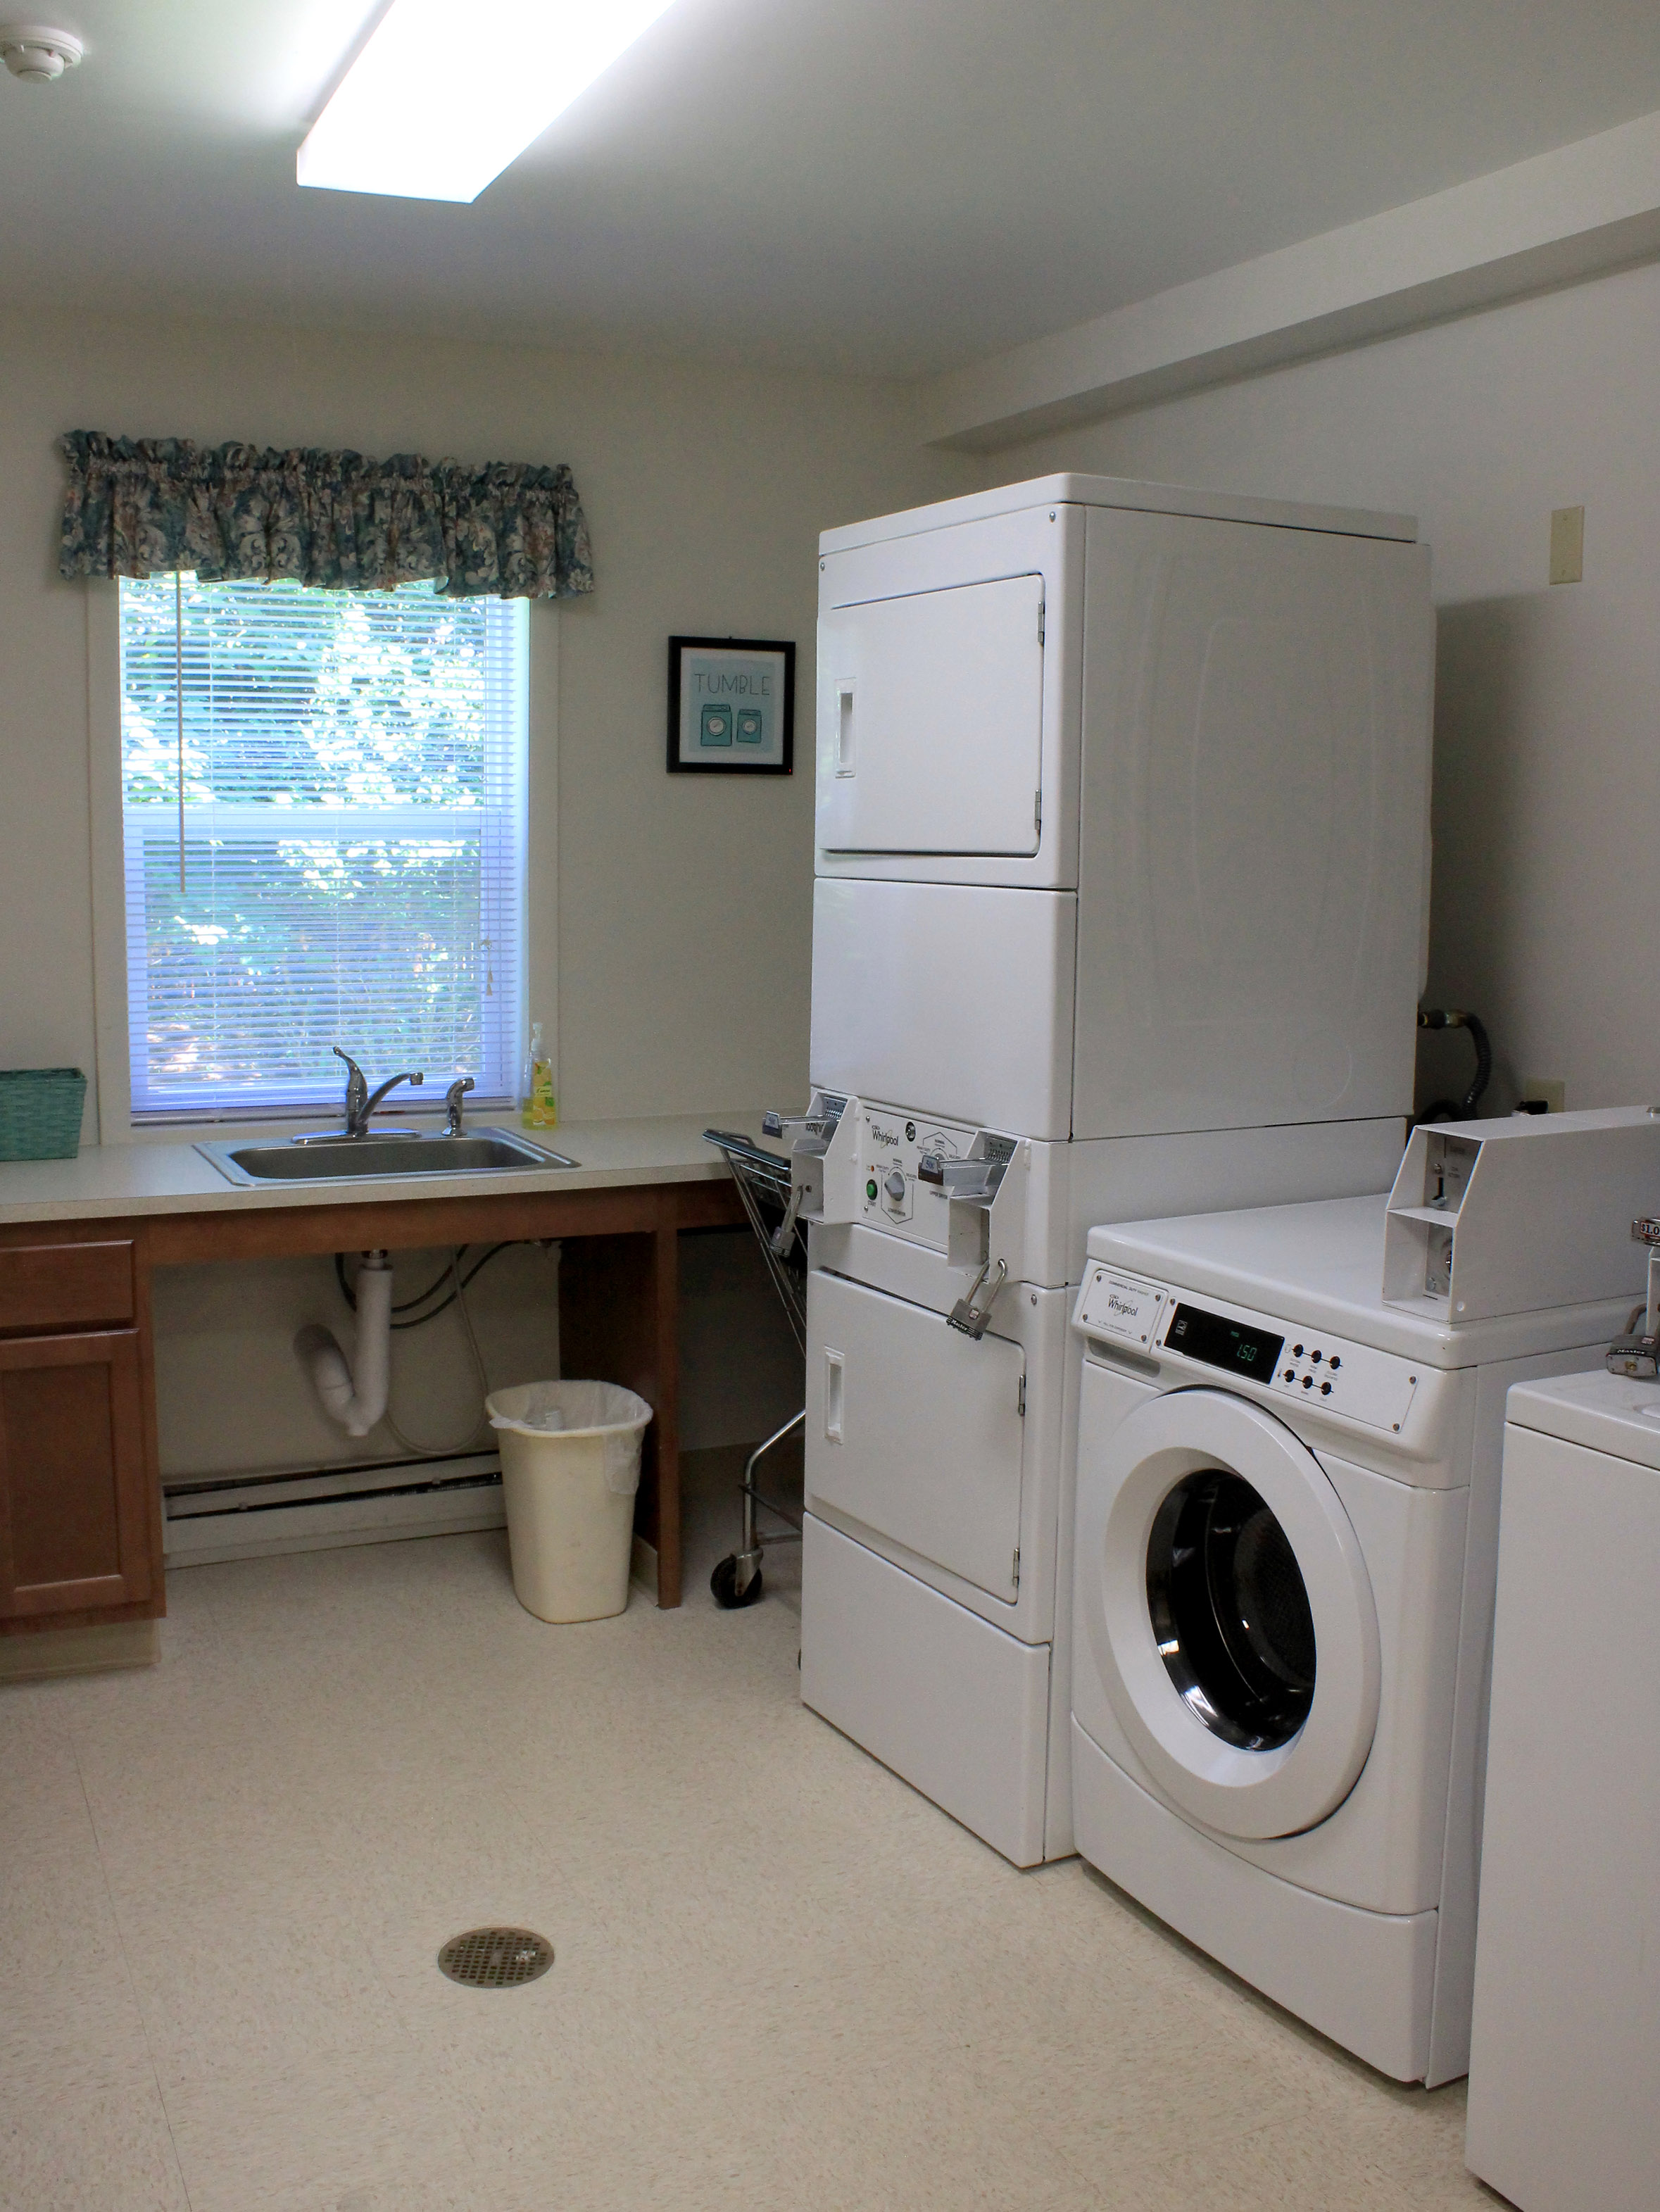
<point>1231,1611</point>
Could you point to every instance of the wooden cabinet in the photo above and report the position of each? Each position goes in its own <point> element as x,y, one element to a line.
<point>80,1517</point>
<point>74,1504</point>
<point>66,1286</point>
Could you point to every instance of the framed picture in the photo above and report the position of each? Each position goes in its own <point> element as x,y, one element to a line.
<point>732,706</point>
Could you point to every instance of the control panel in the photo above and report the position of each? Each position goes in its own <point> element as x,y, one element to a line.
<point>892,1195</point>
<point>1307,1365</point>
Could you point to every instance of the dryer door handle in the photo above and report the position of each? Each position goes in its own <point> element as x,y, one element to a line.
<point>835,1392</point>
<point>846,758</point>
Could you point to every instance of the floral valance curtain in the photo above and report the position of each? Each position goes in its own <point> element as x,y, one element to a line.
<point>147,506</point>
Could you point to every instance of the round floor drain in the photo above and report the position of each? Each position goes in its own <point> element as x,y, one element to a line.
<point>496,1958</point>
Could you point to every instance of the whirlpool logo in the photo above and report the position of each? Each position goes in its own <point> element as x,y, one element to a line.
<point>1130,1308</point>
<point>884,1137</point>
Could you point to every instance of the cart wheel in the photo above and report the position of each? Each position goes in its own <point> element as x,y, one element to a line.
<point>724,1584</point>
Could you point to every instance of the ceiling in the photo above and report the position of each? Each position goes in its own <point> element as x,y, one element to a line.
<point>890,186</point>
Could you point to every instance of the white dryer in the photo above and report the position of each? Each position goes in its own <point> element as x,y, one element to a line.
<point>1286,1515</point>
<point>1123,811</point>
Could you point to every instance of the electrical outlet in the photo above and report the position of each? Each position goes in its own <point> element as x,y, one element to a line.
<point>1553,1093</point>
<point>1567,546</point>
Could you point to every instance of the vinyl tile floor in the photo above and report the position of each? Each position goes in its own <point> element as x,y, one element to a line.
<point>782,1978</point>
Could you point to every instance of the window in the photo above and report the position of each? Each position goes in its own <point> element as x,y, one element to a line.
<point>322,818</point>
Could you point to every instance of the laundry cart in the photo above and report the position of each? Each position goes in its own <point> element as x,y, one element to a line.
<point>763,1178</point>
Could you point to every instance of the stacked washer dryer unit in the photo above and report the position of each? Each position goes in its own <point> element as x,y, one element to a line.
<point>1289,1436</point>
<point>1120,908</point>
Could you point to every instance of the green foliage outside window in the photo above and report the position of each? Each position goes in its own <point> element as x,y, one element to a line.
<point>345,844</point>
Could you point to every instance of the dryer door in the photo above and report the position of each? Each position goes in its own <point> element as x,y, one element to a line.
<point>931,721</point>
<point>1227,1606</point>
<point>914,1432</point>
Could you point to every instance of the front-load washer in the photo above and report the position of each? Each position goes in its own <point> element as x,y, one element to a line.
<point>1286,1513</point>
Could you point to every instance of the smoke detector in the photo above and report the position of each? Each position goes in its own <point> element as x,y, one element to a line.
<point>36,54</point>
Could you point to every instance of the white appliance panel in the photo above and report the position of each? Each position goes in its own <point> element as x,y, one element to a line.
<point>1562,2106</point>
<point>960,994</point>
<point>944,1698</point>
<point>1252,861</point>
<point>1310,1366</point>
<point>1072,1190</point>
<point>891,1196</point>
<point>1362,1977</point>
<point>931,721</point>
<point>916,1432</point>
<point>1455,1962</point>
<point>1072,489</point>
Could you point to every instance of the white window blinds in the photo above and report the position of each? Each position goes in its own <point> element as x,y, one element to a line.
<point>330,853</point>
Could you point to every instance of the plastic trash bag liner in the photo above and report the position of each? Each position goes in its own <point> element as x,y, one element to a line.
<point>605,1410</point>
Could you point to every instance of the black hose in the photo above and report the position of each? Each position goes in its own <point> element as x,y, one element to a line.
<point>448,1276</point>
<point>477,1268</point>
<point>1464,1108</point>
<point>350,1296</point>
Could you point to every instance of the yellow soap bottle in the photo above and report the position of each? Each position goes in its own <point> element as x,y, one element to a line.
<point>537,1109</point>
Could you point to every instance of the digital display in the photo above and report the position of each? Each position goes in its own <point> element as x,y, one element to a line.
<point>1221,1343</point>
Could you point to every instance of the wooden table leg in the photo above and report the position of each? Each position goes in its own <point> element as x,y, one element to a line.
<point>666,1285</point>
<point>619,1322</point>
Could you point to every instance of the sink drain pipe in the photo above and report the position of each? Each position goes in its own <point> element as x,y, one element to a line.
<point>357,1401</point>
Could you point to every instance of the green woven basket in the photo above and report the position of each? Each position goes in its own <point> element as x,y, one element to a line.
<point>40,1113</point>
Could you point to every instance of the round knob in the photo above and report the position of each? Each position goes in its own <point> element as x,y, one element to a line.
<point>895,1186</point>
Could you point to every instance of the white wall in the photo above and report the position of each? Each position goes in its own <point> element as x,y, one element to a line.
<point>683,903</point>
<point>1548,769</point>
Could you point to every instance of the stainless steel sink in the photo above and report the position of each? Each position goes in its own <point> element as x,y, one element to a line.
<point>354,1159</point>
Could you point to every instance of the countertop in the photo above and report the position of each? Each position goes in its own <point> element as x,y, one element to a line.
<point>113,1181</point>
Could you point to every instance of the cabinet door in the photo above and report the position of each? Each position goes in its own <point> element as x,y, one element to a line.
<point>74,1476</point>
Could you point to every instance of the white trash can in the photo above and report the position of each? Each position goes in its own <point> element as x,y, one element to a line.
<point>570,1467</point>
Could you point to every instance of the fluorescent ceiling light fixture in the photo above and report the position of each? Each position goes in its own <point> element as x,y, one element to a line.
<point>437,105</point>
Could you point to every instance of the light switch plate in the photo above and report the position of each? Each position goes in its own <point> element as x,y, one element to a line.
<point>1567,546</point>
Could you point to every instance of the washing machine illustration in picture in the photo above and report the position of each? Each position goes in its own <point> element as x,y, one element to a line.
<point>1284,1561</point>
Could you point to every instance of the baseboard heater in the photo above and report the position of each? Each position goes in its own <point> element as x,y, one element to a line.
<point>249,1516</point>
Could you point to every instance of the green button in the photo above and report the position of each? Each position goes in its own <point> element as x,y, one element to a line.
<point>870,1187</point>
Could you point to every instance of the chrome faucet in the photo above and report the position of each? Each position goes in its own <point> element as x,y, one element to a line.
<point>361,1101</point>
<point>453,1098</point>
